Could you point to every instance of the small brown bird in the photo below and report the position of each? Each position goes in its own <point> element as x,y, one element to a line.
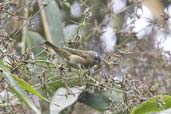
<point>76,58</point>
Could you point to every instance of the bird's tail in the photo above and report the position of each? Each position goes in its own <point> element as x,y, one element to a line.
<point>60,51</point>
<point>56,49</point>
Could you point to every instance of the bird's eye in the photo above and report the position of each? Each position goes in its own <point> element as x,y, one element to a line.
<point>97,59</point>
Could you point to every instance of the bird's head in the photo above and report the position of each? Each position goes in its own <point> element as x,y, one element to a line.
<point>96,57</point>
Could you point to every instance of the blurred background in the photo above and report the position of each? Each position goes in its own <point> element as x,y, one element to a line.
<point>133,36</point>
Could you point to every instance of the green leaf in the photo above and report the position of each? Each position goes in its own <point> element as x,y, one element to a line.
<point>52,22</point>
<point>155,104</point>
<point>3,66</point>
<point>95,100</point>
<point>19,91</point>
<point>27,87</point>
<point>102,100</point>
<point>33,41</point>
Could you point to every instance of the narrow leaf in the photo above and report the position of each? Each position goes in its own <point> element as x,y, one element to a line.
<point>52,23</point>
<point>27,87</point>
<point>19,91</point>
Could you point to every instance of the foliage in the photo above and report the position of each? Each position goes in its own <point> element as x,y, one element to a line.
<point>152,105</point>
<point>135,69</point>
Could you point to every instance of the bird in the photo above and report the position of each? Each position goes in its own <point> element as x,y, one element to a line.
<point>76,58</point>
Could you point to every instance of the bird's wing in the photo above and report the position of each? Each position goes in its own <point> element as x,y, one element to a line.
<point>60,51</point>
<point>81,53</point>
